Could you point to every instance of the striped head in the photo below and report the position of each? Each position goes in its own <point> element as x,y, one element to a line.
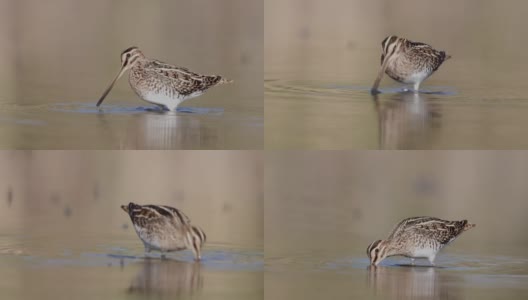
<point>391,45</point>
<point>377,251</point>
<point>195,240</point>
<point>129,58</point>
<point>391,48</point>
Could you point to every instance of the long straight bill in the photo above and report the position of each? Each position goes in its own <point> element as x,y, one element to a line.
<point>374,89</point>
<point>110,87</point>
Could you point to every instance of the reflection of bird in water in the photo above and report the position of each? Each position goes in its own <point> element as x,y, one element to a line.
<point>173,131</point>
<point>418,237</point>
<point>409,283</point>
<point>407,61</point>
<point>160,83</point>
<point>405,121</point>
<point>171,278</point>
<point>165,228</point>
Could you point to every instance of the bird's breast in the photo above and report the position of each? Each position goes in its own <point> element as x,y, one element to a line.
<point>423,251</point>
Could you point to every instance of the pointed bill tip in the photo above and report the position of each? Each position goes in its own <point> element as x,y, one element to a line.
<point>99,102</point>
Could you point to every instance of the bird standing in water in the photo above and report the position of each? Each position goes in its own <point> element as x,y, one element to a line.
<point>407,61</point>
<point>160,83</point>
<point>165,228</point>
<point>418,237</point>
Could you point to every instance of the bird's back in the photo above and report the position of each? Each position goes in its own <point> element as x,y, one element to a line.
<point>150,217</point>
<point>425,56</point>
<point>156,76</point>
<point>430,228</point>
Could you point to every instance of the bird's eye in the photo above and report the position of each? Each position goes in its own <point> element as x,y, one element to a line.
<point>128,55</point>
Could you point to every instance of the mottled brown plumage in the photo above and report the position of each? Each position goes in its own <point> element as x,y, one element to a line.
<point>160,83</point>
<point>407,61</point>
<point>417,237</point>
<point>165,228</point>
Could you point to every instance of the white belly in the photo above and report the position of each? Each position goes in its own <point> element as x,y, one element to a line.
<point>165,242</point>
<point>423,252</point>
<point>417,77</point>
<point>171,102</point>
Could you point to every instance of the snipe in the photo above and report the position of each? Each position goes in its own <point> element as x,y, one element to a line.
<point>165,228</point>
<point>418,237</point>
<point>160,83</point>
<point>407,61</point>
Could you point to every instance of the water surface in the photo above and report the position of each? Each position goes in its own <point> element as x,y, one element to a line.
<point>322,58</point>
<point>343,276</point>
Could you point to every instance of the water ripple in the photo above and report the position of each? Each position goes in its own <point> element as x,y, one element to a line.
<point>91,108</point>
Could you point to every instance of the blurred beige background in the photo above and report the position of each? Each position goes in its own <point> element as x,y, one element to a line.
<point>346,199</point>
<point>335,37</point>
<point>78,193</point>
<point>62,50</point>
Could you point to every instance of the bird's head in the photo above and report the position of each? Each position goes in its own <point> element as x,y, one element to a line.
<point>377,251</point>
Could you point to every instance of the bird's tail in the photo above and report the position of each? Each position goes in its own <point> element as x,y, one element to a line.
<point>224,81</point>
<point>468,225</point>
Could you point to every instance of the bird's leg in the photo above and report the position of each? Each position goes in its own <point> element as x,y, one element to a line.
<point>147,251</point>
<point>197,254</point>
<point>417,86</point>
<point>431,260</point>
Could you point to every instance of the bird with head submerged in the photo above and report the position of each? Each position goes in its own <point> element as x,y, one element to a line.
<point>407,61</point>
<point>160,83</point>
<point>165,229</point>
<point>417,237</point>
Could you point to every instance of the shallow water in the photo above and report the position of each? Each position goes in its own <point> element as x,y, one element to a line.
<point>341,276</point>
<point>57,60</point>
<point>63,234</point>
<point>58,126</point>
<point>117,268</point>
<point>322,58</point>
